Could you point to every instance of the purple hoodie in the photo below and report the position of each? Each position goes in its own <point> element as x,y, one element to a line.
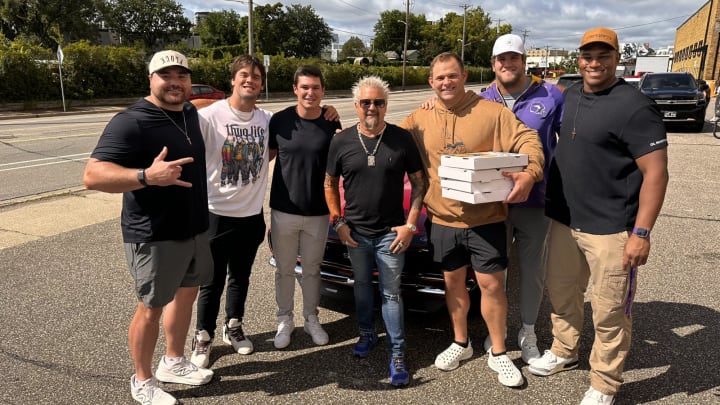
<point>541,108</point>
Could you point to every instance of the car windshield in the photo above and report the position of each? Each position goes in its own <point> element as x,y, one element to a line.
<point>680,82</point>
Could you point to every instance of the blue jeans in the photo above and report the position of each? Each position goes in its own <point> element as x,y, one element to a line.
<point>375,253</point>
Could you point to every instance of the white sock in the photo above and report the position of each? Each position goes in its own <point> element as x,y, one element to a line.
<point>171,361</point>
<point>138,383</point>
<point>529,328</point>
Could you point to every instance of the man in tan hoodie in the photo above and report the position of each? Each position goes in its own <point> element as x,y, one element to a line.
<point>472,235</point>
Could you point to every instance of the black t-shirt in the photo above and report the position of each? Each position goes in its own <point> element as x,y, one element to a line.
<point>299,173</point>
<point>374,195</point>
<point>133,138</point>
<point>594,182</point>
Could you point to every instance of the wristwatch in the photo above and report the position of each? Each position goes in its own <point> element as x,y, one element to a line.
<point>412,227</point>
<point>141,177</point>
<point>641,232</point>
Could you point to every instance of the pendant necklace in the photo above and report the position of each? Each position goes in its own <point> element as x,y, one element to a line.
<point>370,155</point>
<point>185,132</point>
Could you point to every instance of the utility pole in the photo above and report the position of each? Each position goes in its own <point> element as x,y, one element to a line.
<point>525,33</point>
<point>251,43</point>
<point>407,25</point>
<point>462,50</point>
<point>497,29</point>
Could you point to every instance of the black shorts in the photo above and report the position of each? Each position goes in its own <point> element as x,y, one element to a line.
<point>484,247</point>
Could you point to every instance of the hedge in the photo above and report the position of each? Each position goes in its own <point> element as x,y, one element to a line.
<point>30,73</point>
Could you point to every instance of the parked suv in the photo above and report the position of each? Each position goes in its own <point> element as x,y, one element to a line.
<point>679,97</point>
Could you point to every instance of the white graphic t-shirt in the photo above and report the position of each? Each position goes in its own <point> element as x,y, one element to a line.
<point>236,154</point>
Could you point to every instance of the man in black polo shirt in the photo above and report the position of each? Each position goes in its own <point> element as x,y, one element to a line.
<point>605,190</point>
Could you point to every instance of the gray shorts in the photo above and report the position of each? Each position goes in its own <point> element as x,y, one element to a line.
<point>484,247</point>
<point>161,268</point>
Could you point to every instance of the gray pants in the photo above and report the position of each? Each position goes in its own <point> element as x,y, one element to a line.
<point>294,235</point>
<point>529,227</point>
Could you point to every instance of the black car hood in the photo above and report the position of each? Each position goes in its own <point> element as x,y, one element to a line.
<point>674,94</point>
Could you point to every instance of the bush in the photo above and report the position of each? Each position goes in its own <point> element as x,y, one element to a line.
<point>91,71</point>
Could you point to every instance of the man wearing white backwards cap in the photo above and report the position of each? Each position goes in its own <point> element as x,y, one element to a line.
<point>539,105</point>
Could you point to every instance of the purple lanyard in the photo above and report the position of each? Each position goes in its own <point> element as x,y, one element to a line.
<point>631,285</point>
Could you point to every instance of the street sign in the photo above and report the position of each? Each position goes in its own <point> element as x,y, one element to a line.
<point>60,55</point>
<point>266,60</point>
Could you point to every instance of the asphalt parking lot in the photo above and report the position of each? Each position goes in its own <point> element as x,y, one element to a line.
<point>67,301</point>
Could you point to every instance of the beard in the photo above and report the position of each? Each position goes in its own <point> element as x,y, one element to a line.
<point>167,97</point>
<point>515,80</point>
<point>371,122</point>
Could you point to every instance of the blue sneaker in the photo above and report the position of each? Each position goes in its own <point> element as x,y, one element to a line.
<point>364,344</point>
<point>399,375</point>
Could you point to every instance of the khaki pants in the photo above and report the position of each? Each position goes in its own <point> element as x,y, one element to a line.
<point>573,259</point>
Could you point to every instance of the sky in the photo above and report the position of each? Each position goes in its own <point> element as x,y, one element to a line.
<point>546,23</point>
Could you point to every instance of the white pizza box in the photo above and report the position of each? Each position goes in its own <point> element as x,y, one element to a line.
<point>484,175</point>
<point>476,198</point>
<point>484,160</point>
<point>476,186</point>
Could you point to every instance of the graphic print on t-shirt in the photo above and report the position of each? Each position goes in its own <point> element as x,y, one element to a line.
<point>242,154</point>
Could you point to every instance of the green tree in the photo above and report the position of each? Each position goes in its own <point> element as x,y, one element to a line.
<point>390,32</point>
<point>270,21</point>
<point>295,31</point>
<point>51,21</point>
<point>354,47</point>
<point>306,32</point>
<point>154,23</point>
<point>220,28</point>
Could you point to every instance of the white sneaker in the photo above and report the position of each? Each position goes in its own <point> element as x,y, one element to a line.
<point>527,340</point>
<point>182,372</point>
<point>315,330</point>
<point>233,335</point>
<point>450,358</point>
<point>286,326</point>
<point>550,364</point>
<point>148,393</point>
<point>508,374</point>
<point>595,397</point>
<point>201,345</point>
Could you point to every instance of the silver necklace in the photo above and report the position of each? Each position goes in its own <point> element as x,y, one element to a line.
<point>185,132</point>
<point>237,112</point>
<point>370,155</point>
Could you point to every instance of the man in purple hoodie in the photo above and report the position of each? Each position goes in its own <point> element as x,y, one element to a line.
<point>539,105</point>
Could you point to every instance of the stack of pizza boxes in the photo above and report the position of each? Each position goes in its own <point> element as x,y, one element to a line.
<point>477,178</point>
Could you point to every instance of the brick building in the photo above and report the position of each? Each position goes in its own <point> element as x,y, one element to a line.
<point>696,43</point>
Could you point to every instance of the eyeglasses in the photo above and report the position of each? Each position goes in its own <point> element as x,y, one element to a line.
<point>366,103</point>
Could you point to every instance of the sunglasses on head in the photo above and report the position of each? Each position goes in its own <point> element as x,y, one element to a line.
<point>366,103</point>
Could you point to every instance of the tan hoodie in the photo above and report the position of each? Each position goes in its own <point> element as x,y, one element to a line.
<point>482,126</point>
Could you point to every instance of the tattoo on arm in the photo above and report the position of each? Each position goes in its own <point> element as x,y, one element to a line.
<point>331,182</point>
<point>332,195</point>
<point>419,184</point>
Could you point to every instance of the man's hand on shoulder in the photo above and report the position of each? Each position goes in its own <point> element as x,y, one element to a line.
<point>429,104</point>
<point>331,113</point>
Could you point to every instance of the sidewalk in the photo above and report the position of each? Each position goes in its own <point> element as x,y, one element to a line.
<point>49,216</point>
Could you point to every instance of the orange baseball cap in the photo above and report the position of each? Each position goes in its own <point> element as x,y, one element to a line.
<point>600,34</point>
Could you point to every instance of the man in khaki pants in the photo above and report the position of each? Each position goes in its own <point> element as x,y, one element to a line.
<point>606,186</point>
